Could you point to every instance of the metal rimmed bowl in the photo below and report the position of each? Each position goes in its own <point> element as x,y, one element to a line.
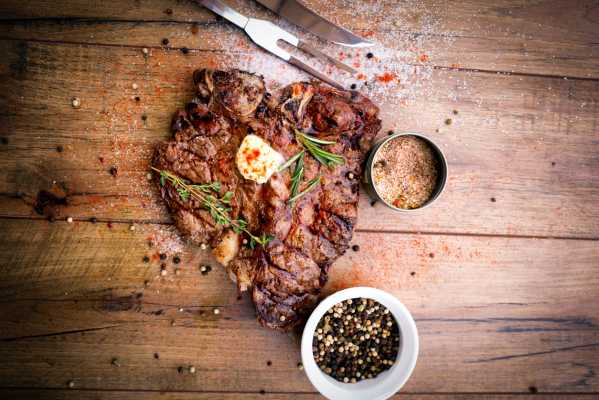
<point>441,173</point>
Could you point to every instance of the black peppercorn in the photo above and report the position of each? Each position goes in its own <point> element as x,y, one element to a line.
<point>113,171</point>
<point>162,256</point>
<point>533,389</point>
<point>165,42</point>
<point>146,259</point>
<point>369,55</point>
<point>176,259</point>
<point>353,86</point>
<point>356,339</point>
<point>59,148</point>
<point>93,220</point>
<point>355,247</point>
<point>184,50</point>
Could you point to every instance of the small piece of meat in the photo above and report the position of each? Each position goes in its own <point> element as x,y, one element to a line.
<point>285,276</point>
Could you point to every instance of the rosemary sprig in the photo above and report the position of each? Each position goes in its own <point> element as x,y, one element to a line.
<point>219,208</point>
<point>296,178</point>
<point>291,160</point>
<point>312,183</point>
<point>314,147</point>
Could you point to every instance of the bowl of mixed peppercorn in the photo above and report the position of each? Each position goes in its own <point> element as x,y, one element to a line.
<point>359,343</point>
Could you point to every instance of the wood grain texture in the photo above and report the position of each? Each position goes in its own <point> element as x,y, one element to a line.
<point>126,395</point>
<point>501,275</point>
<point>556,37</point>
<point>522,151</point>
<point>73,295</point>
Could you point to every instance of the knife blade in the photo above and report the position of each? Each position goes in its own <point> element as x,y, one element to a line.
<point>296,12</point>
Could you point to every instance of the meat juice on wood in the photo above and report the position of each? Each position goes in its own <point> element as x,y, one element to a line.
<point>405,171</point>
<point>356,339</point>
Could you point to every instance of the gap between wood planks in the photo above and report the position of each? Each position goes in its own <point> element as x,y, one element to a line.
<point>403,394</point>
<point>384,231</point>
<point>154,47</point>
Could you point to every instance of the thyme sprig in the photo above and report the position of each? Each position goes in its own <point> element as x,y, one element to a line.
<point>219,208</point>
<point>314,147</point>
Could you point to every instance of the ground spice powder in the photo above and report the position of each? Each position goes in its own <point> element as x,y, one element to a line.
<point>405,172</point>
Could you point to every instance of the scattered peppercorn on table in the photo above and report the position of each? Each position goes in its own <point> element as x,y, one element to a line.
<point>101,299</point>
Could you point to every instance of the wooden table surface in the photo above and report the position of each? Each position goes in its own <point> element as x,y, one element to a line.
<point>501,275</point>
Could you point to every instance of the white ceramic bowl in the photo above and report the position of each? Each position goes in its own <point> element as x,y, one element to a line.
<point>385,384</point>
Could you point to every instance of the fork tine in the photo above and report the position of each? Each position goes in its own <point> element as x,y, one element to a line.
<point>303,66</point>
<point>320,55</point>
<point>266,35</point>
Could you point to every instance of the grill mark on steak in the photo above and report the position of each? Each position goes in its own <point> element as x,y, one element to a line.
<point>286,276</point>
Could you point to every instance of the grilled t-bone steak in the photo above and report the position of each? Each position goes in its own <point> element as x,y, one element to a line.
<point>285,276</point>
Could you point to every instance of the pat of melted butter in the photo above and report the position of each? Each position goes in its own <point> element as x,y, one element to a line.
<point>256,160</point>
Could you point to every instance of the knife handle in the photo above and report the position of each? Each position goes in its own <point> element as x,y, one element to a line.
<point>305,67</point>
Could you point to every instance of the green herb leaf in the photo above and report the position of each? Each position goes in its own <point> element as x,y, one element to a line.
<point>218,208</point>
<point>262,240</point>
<point>183,193</point>
<point>317,140</point>
<point>291,160</point>
<point>312,183</point>
<point>313,145</point>
<point>227,197</point>
<point>296,178</point>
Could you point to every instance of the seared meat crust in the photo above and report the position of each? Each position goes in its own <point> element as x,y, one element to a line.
<point>285,277</point>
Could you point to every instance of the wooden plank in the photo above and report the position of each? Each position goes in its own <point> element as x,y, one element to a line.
<point>555,37</point>
<point>522,150</point>
<point>17,394</point>
<point>494,314</point>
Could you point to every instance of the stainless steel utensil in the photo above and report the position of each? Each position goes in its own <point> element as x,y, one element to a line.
<point>266,35</point>
<point>296,12</point>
